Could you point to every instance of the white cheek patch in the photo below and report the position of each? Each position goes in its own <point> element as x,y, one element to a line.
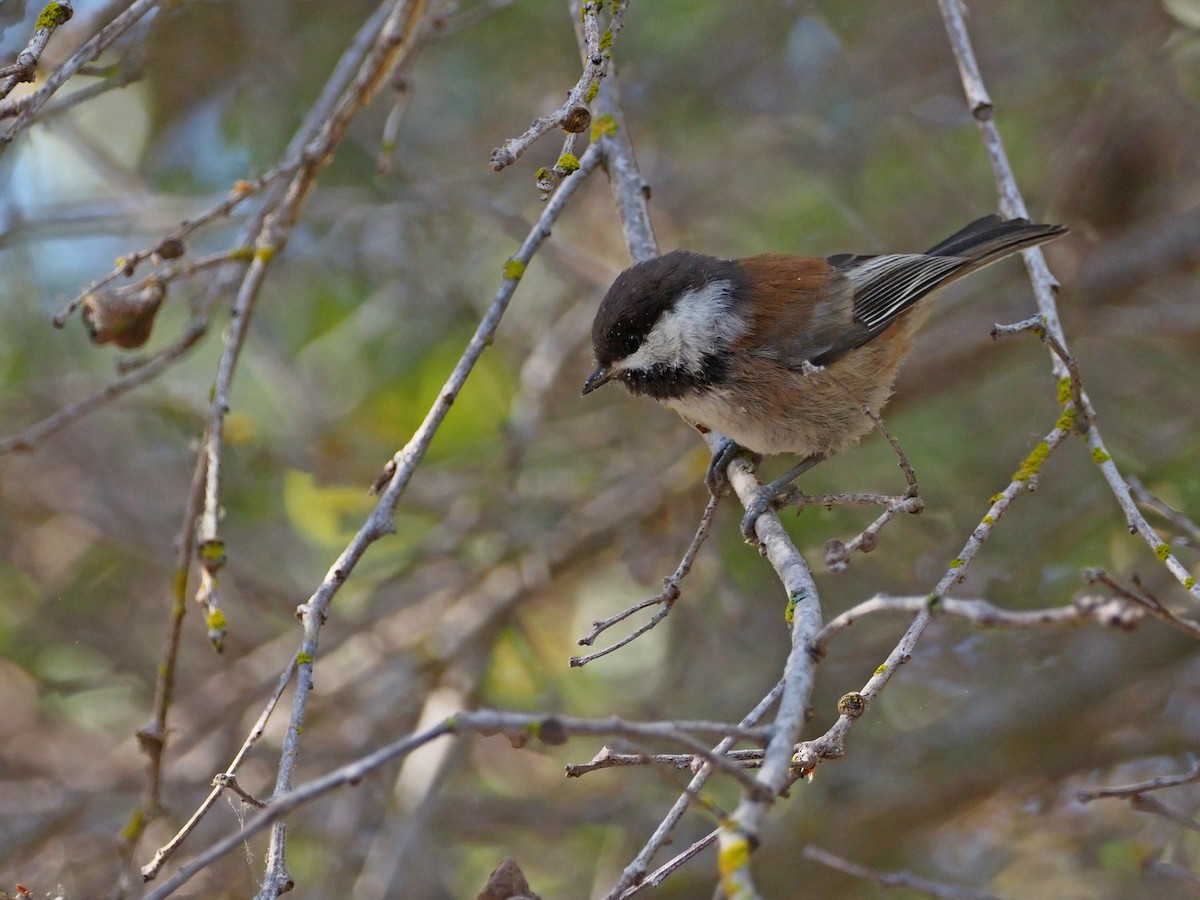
<point>700,324</point>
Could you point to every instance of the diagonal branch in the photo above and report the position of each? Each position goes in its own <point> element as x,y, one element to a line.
<point>380,523</point>
<point>1045,286</point>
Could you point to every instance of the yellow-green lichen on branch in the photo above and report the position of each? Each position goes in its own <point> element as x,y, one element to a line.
<point>1033,462</point>
<point>1189,582</point>
<point>212,554</point>
<point>1067,420</point>
<point>1099,456</point>
<point>882,668</point>
<point>304,659</point>
<point>1162,551</point>
<point>215,620</point>
<point>53,15</point>
<point>1064,390</point>
<point>733,858</point>
<point>134,827</point>
<point>592,91</point>
<point>957,563</point>
<point>514,269</point>
<point>567,163</point>
<point>603,126</point>
<point>179,584</point>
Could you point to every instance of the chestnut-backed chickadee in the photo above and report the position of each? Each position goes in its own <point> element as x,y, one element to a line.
<point>779,353</point>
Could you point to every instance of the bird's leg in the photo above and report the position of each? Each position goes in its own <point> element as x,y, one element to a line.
<point>715,479</point>
<point>764,498</point>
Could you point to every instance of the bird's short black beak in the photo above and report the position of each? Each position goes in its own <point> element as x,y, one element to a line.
<point>599,378</point>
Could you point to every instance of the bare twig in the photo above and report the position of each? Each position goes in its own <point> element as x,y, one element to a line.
<point>151,869</point>
<point>326,121</point>
<point>1189,529</point>
<point>519,728</point>
<point>983,614</point>
<point>229,782</point>
<point>664,599</point>
<point>1136,795</point>
<point>27,439</point>
<point>838,553</point>
<point>1145,600</point>
<point>607,758</point>
<point>396,38</point>
<point>152,738</point>
<point>115,77</point>
<point>1073,383</point>
<point>634,877</point>
<point>1087,795</point>
<point>894,879</point>
<point>572,115</point>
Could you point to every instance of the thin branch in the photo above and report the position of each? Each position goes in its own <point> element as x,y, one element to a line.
<point>572,114</point>
<point>52,15</point>
<point>981,613</point>
<point>1189,529</point>
<point>150,871</point>
<point>281,805</point>
<point>123,74</point>
<point>1145,600</point>
<point>1045,286</point>
<point>1136,795</point>
<point>1087,795</point>
<point>152,738</point>
<point>26,440</point>
<point>634,877</point>
<point>380,522</point>
<point>519,728</point>
<point>297,155</point>
<point>664,599</point>
<point>894,879</point>
<point>607,758</point>
<point>25,107</point>
<point>830,745</point>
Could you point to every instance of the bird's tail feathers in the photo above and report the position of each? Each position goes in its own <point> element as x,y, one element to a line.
<point>991,238</point>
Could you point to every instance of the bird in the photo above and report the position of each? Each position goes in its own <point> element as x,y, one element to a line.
<point>778,353</point>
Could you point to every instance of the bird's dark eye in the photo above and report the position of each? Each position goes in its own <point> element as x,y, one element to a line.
<point>630,344</point>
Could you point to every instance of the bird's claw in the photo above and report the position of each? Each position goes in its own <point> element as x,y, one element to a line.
<point>760,504</point>
<point>716,479</point>
<point>772,496</point>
